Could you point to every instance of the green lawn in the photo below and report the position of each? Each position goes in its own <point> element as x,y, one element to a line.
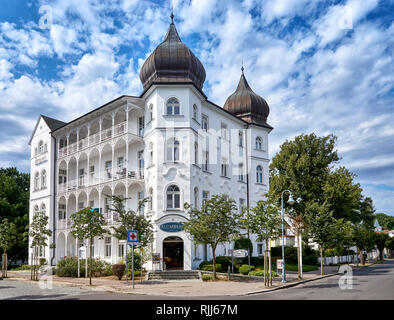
<point>305,267</point>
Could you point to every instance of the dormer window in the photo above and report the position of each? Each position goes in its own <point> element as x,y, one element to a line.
<point>259,143</point>
<point>41,147</point>
<point>173,107</point>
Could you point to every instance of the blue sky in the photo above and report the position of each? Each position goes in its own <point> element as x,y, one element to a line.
<point>323,66</point>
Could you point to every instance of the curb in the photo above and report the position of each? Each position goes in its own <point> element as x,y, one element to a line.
<point>117,290</point>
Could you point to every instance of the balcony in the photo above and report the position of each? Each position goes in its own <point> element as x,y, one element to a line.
<point>93,179</point>
<point>94,139</point>
<point>111,218</point>
<point>64,223</point>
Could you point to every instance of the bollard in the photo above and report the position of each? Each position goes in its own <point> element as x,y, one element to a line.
<point>228,273</point>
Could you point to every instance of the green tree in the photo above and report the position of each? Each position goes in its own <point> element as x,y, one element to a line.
<point>216,222</point>
<point>380,240</point>
<point>8,233</point>
<point>385,221</point>
<point>342,235</point>
<point>367,213</point>
<point>88,224</point>
<point>264,220</point>
<point>364,240</point>
<point>320,226</point>
<point>342,195</point>
<point>39,233</point>
<point>14,206</point>
<point>131,220</point>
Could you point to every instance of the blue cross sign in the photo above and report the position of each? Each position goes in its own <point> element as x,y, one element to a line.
<point>132,236</point>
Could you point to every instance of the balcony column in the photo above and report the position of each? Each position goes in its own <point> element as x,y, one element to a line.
<point>88,171</point>
<point>68,141</point>
<point>127,158</point>
<point>127,109</point>
<point>113,170</point>
<point>78,139</point>
<point>99,173</point>
<point>77,166</point>
<point>88,136</point>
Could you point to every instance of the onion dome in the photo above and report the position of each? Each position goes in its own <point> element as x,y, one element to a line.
<point>172,62</point>
<point>246,104</point>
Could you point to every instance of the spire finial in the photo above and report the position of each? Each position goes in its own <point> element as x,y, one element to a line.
<point>172,12</point>
<point>242,66</point>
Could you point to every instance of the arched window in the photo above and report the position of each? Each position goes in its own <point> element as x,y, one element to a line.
<point>36,181</point>
<point>150,112</point>
<point>150,199</point>
<point>173,150</point>
<point>173,106</point>
<point>43,179</point>
<point>240,138</point>
<point>43,208</point>
<point>40,147</point>
<point>173,197</point>
<point>196,197</point>
<point>259,143</point>
<point>36,209</point>
<point>259,174</point>
<point>151,153</point>
<point>195,153</point>
<point>194,112</point>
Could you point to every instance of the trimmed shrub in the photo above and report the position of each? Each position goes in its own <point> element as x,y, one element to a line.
<point>224,261</point>
<point>276,251</point>
<point>68,267</point>
<point>310,259</point>
<point>203,263</point>
<point>118,270</point>
<point>244,269</point>
<point>209,267</point>
<point>260,273</point>
<point>207,277</point>
<point>291,255</point>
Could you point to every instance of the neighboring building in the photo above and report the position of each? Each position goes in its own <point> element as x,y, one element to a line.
<point>170,144</point>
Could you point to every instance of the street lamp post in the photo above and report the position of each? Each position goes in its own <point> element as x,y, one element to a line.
<point>290,201</point>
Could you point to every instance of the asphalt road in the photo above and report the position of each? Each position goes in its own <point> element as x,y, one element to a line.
<point>375,282</point>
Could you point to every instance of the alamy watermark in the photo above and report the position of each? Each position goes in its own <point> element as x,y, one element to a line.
<point>346,281</point>
<point>46,276</point>
<point>45,21</point>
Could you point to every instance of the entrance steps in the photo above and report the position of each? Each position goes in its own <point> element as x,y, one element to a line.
<point>174,275</point>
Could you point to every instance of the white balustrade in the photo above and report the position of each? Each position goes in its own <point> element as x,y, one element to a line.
<point>106,134</point>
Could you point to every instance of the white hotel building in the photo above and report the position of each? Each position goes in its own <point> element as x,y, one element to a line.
<point>170,144</point>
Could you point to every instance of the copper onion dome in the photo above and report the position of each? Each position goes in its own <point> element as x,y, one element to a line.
<point>246,104</point>
<point>172,61</point>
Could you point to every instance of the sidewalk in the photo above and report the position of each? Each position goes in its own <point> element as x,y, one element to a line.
<point>179,288</point>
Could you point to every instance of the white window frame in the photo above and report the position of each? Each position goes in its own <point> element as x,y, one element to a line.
<point>174,194</point>
<point>173,107</point>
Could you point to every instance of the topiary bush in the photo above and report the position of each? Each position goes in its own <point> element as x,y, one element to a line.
<point>244,269</point>
<point>260,273</point>
<point>68,267</point>
<point>209,267</point>
<point>119,270</point>
<point>291,255</point>
<point>207,277</point>
<point>203,263</point>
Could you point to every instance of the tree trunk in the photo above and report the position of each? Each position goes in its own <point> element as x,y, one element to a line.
<point>90,262</point>
<point>321,261</point>
<point>265,267</point>
<point>298,257</point>
<point>270,265</point>
<point>4,265</point>
<point>362,260</point>
<point>214,262</point>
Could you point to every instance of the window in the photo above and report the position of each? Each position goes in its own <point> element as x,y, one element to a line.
<point>36,181</point>
<point>141,125</point>
<point>108,168</point>
<point>45,147</point>
<point>204,122</point>
<point>107,242</point>
<point>80,205</point>
<point>35,151</point>
<point>150,199</point>
<point>173,150</point>
<point>81,177</point>
<point>43,208</point>
<point>195,153</point>
<point>224,168</point>
<point>40,147</point>
<point>194,112</point>
<point>43,179</point>
<point>91,169</point>
<point>241,205</point>
<point>150,112</point>
<point>120,163</point>
<point>241,172</point>
<point>140,198</point>
<point>121,250</point>
<point>259,143</point>
<point>173,107</point>
<point>224,131</point>
<point>240,138</point>
<point>141,164</point>
<point>91,203</point>
<point>259,174</point>
<point>205,161</point>
<point>196,198</point>
<point>260,249</point>
<point>106,204</point>
<point>173,197</point>
<point>205,196</point>
<point>62,211</point>
<point>151,153</point>
<point>36,209</point>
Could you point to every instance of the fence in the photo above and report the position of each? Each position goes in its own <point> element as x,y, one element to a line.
<point>351,258</point>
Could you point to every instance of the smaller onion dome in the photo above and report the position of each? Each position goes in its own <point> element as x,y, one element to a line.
<point>246,104</point>
<point>172,62</point>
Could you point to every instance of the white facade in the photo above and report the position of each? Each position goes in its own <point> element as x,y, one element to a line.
<point>170,145</point>
<point>98,154</point>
